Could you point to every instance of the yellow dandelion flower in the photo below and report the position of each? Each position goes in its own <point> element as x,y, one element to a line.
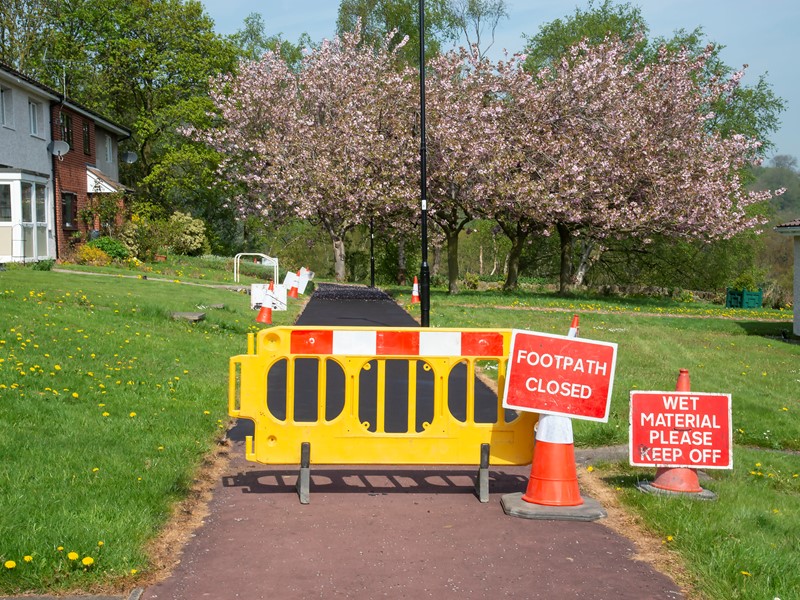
<point>134,571</point>
<point>60,548</point>
<point>9,564</point>
<point>101,543</point>
<point>133,414</point>
<point>590,468</point>
<point>72,556</point>
<point>95,470</point>
<point>27,558</point>
<point>74,394</point>
<point>106,414</point>
<point>208,412</point>
<point>57,367</point>
<point>745,573</point>
<point>87,561</point>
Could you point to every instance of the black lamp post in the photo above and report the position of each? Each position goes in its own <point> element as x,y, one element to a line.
<point>425,275</point>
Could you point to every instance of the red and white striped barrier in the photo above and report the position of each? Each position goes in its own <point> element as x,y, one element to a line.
<point>397,343</point>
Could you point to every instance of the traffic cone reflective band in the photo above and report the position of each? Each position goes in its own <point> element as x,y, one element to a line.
<point>265,315</point>
<point>553,480</point>
<point>678,479</point>
<point>293,290</point>
<point>415,291</point>
<point>573,328</point>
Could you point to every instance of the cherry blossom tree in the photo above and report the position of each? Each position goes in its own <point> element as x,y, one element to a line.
<point>327,143</point>
<point>610,147</point>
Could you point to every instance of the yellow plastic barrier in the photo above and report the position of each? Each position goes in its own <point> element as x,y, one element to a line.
<point>378,396</point>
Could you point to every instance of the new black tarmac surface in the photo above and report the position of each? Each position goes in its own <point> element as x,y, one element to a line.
<point>392,532</point>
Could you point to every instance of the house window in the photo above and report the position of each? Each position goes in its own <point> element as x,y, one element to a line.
<point>5,107</point>
<point>27,202</point>
<point>5,202</point>
<point>109,149</point>
<point>87,143</point>
<point>66,128</point>
<point>34,110</point>
<point>69,210</point>
<point>41,215</point>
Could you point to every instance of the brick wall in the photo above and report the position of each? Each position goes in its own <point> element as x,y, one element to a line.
<point>69,173</point>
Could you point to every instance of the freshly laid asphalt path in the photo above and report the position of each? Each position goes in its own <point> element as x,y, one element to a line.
<point>391,532</point>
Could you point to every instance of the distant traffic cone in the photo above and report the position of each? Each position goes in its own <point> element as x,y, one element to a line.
<point>678,479</point>
<point>293,290</point>
<point>573,328</point>
<point>415,292</point>
<point>264,315</point>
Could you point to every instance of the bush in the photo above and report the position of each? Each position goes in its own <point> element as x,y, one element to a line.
<point>43,265</point>
<point>89,255</point>
<point>186,235</point>
<point>115,248</point>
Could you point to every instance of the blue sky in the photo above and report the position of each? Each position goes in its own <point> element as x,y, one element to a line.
<point>764,34</point>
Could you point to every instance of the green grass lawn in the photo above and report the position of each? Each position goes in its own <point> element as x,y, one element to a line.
<point>108,406</point>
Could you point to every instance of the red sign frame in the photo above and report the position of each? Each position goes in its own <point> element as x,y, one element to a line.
<point>560,375</point>
<point>681,429</point>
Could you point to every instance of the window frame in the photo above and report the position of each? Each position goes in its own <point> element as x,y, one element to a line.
<point>66,128</point>
<point>71,223</point>
<point>6,107</point>
<point>6,185</point>
<point>87,141</point>
<point>34,117</point>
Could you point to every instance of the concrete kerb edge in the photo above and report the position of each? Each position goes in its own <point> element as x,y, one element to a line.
<point>136,594</point>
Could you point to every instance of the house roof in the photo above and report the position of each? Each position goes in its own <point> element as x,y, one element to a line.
<point>54,95</point>
<point>790,228</point>
<point>97,181</point>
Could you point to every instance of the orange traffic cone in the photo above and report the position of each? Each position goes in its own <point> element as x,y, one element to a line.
<point>553,491</point>
<point>415,291</point>
<point>573,328</point>
<point>553,480</point>
<point>264,315</point>
<point>293,290</point>
<point>678,479</point>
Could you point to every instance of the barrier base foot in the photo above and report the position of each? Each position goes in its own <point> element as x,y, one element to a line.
<point>648,488</point>
<point>514,506</point>
<point>482,482</point>
<point>304,477</point>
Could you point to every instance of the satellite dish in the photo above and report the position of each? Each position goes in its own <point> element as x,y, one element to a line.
<point>59,148</point>
<point>129,157</point>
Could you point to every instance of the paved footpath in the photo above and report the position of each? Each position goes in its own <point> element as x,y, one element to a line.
<point>392,532</point>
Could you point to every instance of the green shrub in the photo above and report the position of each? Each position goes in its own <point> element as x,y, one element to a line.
<point>186,235</point>
<point>43,265</point>
<point>89,255</point>
<point>115,248</point>
<point>745,282</point>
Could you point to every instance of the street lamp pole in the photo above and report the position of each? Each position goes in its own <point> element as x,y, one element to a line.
<point>425,275</point>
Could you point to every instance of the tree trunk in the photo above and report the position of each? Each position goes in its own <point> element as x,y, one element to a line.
<point>565,278</point>
<point>480,261</point>
<point>588,258</point>
<point>338,257</point>
<point>401,262</point>
<point>437,260</point>
<point>517,245</point>
<point>452,260</point>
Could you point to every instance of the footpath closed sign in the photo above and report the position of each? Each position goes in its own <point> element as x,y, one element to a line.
<point>681,429</point>
<point>559,375</point>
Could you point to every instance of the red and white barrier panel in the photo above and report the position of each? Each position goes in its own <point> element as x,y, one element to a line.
<point>398,343</point>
